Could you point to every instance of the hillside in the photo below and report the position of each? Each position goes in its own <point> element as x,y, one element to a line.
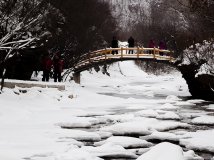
<point>130,12</point>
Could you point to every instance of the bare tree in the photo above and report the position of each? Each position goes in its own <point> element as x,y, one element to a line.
<point>89,26</point>
<point>22,25</point>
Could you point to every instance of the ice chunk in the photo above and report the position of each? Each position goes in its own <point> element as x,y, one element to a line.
<point>126,142</point>
<point>207,120</point>
<point>163,151</point>
<point>110,150</point>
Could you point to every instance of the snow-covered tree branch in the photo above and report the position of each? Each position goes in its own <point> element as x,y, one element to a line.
<point>198,54</point>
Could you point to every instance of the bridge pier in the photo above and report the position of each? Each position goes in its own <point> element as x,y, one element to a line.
<point>77,77</point>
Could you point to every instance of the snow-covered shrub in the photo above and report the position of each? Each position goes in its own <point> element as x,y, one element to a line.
<point>198,54</point>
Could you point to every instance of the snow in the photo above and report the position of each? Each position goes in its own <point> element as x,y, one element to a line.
<point>76,154</point>
<point>210,107</point>
<point>82,121</point>
<point>147,113</point>
<point>163,151</point>
<point>202,51</point>
<point>127,11</point>
<point>190,155</point>
<point>119,117</point>
<point>205,120</point>
<point>126,142</point>
<point>158,114</point>
<point>168,106</point>
<point>80,135</point>
<point>173,98</point>
<point>110,150</point>
<point>169,115</point>
<point>200,140</point>
<point>162,136</point>
<point>142,126</point>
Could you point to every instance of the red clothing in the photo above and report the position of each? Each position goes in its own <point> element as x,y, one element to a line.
<point>58,65</point>
<point>162,45</point>
<point>47,63</point>
<point>151,44</point>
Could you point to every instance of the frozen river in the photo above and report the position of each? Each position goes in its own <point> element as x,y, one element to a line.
<point>128,115</point>
<point>152,108</point>
<point>183,109</point>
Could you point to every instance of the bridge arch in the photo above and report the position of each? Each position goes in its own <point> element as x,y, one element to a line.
<point>199,86</point>
<point>111,55</point>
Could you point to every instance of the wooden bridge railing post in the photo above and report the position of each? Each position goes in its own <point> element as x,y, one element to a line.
<point>121,52</point>
<point>154,52</point>
<point>111,51</point>
<point>105,54</point>
<point>158,51</point>
<point>170,56</point>
<point>138,51</point>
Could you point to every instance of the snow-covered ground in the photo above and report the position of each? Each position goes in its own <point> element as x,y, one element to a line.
<point>127,115</point>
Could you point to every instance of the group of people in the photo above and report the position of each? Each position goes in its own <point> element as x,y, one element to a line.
<point>57,65</point>
<point>131,43</point>
<point>114,44</point>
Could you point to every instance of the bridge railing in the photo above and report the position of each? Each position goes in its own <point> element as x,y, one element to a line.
<point>122,53</point>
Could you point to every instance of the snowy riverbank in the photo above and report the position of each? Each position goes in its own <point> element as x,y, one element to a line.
<point>116,116</point>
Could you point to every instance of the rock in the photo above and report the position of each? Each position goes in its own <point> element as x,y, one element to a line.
<point>201,86</point>
<point>71,96</point>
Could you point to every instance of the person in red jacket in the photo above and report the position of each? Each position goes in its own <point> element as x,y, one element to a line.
<point>151,45</point>
<point>58,68</point>
<point>162,46</point>
<point>46,67</point>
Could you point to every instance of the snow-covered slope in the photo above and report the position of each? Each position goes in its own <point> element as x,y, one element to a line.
<point>130,12</point>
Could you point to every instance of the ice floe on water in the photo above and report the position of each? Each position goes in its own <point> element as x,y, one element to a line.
<point>162,136</point>
<point>147,113</point>
<point>199,140</point>
<point>77,122</point>
<point>196,101</point>
<point>104,135</point>
<point>81,122</point>
<point>110,150</point>
<point>168,115</point>
<point>190,155</point>
<point>119,117</point>
<point>185,103</point>
<point>143,126</point>
<point>159,114</point>
<point>163,151</point>
<point>80,135</point>
<point>204,120</point>
<point>173,98</point>
<point>126,142</point>
<point>168,106</point>
<point>209,107</point>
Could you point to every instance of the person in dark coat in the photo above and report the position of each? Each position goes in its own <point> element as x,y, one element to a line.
<point>114,44</point>
<point>151,45</point>
<point>162,46</point>
<point>131,44</point>
<point>58,68</point>
<point>46,67</point>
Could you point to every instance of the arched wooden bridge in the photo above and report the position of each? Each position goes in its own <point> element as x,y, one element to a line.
<point>108,55</point>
